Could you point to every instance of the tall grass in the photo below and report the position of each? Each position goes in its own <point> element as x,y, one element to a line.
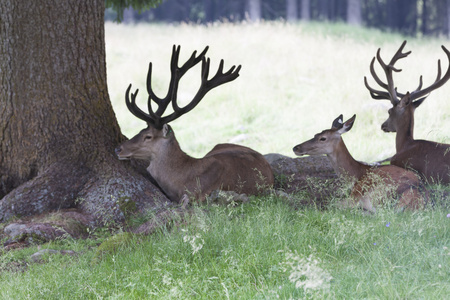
<point>295,79</point>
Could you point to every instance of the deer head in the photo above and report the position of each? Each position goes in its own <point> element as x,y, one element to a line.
<point>403,105</point>
<point>149,142</point>
<point>326,142</point>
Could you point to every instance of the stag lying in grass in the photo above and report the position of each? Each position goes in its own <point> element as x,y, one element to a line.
<point>226,167</point>
<point>430,159</point>
<point>369,181</point>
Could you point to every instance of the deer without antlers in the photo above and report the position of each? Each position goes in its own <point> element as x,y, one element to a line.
<point>225,167</point>
<point>430,159</point>
<point>369,181</point>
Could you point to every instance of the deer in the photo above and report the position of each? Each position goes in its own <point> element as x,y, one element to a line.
<point>430,159</point>
<point>368,181</point>
<point>227,167</point>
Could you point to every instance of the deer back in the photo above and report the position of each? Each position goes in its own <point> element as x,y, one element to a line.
<point>236,168</point>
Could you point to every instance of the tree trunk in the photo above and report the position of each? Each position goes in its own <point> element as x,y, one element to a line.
<point>448,18</point>
<point>291,10</point>
<point>323,10</point>
<point>57,127</point>
<point>254,10</point>
<point>209,7</point>
<point>354,12</point>
<point>305,14</point>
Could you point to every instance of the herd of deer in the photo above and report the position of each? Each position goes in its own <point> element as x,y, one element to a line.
<point>231,167</point>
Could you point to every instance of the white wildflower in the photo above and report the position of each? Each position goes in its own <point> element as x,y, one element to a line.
<point>195,241</point>
<point>306,273</point>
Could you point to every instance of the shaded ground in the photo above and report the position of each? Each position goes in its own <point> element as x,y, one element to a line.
<point>311,180</point>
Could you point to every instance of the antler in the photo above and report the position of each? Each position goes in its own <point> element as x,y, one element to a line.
<point>392,94</point>
<point>155,118</point>
<point>418,93</point>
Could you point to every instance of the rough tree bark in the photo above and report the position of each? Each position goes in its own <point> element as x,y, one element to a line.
<point>57,127</point>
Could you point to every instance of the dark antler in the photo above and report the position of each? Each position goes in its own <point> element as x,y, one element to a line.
<point>418,93</point>
<point>392,94</point>
<point>155,118</point>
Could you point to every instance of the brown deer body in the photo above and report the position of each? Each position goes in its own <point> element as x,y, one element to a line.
<point>430,159</point>
<point>226,167</point>
<point>368,181</point>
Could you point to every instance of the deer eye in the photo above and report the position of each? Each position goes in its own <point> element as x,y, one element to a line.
<point>148,138</point>
<point>323,139</point>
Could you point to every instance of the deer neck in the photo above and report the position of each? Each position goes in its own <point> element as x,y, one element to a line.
<point>168,167</point>
<point>170,157</point>
<point>405,131</point>
<point>344,163</point>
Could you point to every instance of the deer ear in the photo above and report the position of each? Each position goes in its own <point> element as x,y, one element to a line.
<point>347,125</point>
<point>166,130</point>
<point>405,101</point>
<point>338,122</point>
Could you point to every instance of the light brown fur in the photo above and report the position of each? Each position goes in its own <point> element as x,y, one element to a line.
<point>226,167</point>
<point>368,180</point>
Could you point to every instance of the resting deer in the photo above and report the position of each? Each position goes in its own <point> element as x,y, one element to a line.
<point>369,181</point>
<point>181,177</point>
<point>430,159</point>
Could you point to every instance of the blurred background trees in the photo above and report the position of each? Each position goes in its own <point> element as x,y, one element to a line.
<point>410,17</point>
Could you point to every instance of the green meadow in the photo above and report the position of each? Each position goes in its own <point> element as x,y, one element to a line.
<point>295,80</point>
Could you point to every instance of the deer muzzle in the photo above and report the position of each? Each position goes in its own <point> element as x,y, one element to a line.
<point>118,152</point>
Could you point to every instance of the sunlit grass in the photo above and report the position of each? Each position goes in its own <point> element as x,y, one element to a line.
<point>295,79</point>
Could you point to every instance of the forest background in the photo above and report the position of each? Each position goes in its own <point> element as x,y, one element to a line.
<point>410,17</point>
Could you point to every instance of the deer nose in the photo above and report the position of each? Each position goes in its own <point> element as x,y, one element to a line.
<point>118,150</point>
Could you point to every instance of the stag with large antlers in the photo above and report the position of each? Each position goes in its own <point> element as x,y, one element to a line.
<point>226,167</point>
<point>369,182</point>
<point>430,159</point>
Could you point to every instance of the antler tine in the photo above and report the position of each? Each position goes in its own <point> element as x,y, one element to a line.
<point>437,83</point>
<point>398,55</point>
<point>391,93</point>
<point>155,117</point>
<point>220,77</point>
<point>134,109</point>
<point>192,61</point>
<point>374,74</point>
<point>420,84</point>
<point>176,74</point>
<point>205,86</point>
<point>376,94</point>
<point>151,94</point>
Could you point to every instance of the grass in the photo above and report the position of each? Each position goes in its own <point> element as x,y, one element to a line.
<point>260,250</point>
<point>296,78</point>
